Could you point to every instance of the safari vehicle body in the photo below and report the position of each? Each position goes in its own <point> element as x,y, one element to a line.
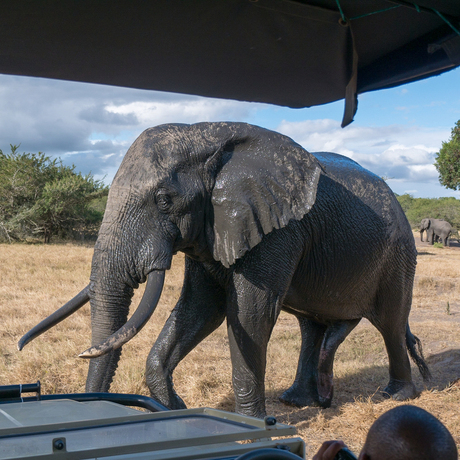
<point>105,425</point>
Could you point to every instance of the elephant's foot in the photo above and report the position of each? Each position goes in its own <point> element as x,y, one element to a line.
<point>252,408</point>
<point>325,389</point>
<point>174,402</point>
<point>400,391</point>
<point>300,397</point>
<point>160,383</point>
<point>162,390</point>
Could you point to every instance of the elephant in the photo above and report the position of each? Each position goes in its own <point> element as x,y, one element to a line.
<point>265,226</point>
<point>424,227</point>
<point>436,229</point>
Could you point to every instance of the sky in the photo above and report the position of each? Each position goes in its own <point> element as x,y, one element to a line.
<point>396,132</point>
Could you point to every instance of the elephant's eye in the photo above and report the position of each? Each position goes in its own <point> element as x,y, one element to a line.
<point>163,201</point>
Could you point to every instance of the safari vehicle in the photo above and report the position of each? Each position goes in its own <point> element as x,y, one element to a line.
<point>121,426</point>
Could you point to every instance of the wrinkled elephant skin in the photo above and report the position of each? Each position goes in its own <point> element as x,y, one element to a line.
<point>265,226</point>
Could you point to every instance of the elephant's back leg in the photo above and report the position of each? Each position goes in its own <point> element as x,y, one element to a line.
<point>334,336</point>
<point>313,384</point>
<point>304,390</point>
<point>390,316</point>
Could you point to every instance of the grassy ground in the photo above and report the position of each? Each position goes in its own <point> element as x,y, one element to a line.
<point>35,280</point>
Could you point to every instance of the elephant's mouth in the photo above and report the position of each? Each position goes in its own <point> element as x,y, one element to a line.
<point>144,311</point>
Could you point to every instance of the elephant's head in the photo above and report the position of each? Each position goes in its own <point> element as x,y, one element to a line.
<point>425,224</point>
<point>211,190</point>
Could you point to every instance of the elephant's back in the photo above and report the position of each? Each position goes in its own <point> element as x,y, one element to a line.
<point>336,161</point>
<point>366,196</point>
<point>351,175</point>
<point>360,238</point>
<point>370,190</point>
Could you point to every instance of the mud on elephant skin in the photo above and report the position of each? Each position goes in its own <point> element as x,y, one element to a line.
<point>265,226</point>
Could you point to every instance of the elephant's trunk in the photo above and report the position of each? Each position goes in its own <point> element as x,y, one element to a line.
<point>109,312</point>
<point>59,315</point>
<point>137,321</point>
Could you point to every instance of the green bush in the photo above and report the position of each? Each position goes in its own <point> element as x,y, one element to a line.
<point>40,197</point>
<point>416,209</point>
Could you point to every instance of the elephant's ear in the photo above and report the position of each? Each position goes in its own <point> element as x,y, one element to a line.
<point>265,182</point>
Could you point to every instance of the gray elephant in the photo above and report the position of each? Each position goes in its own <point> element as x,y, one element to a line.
<point>436,229</point>
<point>265,226</point>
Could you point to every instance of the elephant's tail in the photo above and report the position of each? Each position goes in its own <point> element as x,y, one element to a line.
<point>415,351</point>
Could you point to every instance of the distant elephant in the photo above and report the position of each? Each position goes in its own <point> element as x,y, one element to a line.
<point>266,226</point>
<point>435,228</point>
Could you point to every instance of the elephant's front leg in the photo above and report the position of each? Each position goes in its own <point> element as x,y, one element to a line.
<point>199,311</point>
<point>251,315</point>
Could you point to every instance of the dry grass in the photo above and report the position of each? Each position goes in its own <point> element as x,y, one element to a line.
<point>35,280</point>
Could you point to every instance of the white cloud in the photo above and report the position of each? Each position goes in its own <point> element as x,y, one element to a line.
<point>395,151</point>
<point>152,113</point>
<point>92,126</point>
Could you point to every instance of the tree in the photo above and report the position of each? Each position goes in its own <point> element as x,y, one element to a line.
<point>40,196</point>
<point>448,160</point>
<point>406,201</point>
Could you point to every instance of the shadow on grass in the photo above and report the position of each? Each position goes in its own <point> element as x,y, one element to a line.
<point>420,247</point>
<point>364,385</point>
<point>444,367</point>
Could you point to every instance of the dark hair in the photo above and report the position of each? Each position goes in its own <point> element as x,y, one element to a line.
<point>409,432</point>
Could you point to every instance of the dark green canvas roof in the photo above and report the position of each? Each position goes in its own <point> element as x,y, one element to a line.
<point>285,52</point>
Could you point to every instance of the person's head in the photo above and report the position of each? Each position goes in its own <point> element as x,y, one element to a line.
<point>408,433</point>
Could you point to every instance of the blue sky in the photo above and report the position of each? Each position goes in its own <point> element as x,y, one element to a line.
<point>396,132</point>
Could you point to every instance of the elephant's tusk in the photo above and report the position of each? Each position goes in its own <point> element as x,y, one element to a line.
<point>155,281</point>
<point>59,315</point>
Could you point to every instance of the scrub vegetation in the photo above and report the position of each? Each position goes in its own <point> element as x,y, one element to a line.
<point>37,279</point>
<point>41,198</point>
<point>416,209</point>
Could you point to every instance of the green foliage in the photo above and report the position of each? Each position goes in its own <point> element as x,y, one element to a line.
<point>416,209</point>
<point>448,160</point>
<point>406,201</point>
<point>42,197</point>
<point>98,205</point>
